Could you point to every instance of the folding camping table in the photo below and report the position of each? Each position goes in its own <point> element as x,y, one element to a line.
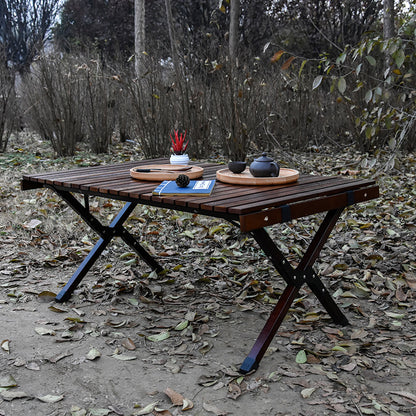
<point>252,208</point>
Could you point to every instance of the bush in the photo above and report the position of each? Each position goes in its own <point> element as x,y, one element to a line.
<point>240,107</point>
<point>146,112</point>
<point>274,107</point>
<point>300,117</point>
<point>99,104</point>
<point>264,107</point>
<point>375,80</point>
<point>53,96</point>
<point>8,113</point>
<point>153,106</point>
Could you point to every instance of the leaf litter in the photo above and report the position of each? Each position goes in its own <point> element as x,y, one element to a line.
<point>212,274</point>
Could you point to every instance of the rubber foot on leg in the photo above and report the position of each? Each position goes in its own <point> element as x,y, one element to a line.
<point>248,365</point>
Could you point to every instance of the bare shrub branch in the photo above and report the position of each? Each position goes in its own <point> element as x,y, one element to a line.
<point>52,95</point>
<point>8,110</point>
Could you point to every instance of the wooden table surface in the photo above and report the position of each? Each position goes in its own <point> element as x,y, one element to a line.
<point>253,206</point>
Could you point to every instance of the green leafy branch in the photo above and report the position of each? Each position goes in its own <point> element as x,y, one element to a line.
<point>376,81</point>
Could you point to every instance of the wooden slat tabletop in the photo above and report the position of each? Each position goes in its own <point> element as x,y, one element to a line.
<point>114,181</point>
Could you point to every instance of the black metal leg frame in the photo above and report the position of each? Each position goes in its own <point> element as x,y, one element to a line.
<point>294,278</point>
<point>115,229</point>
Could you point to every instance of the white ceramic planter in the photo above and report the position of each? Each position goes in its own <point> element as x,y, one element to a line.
<point>179,159</point>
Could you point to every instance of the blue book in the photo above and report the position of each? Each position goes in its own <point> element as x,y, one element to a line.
<point>196,188</point>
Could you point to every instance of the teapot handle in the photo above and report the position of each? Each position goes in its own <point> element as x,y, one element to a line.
<point>276,169</point>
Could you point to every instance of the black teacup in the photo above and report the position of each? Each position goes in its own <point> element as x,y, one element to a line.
<point>237,166</point>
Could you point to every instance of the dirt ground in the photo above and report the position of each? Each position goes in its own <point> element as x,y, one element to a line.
<point>129,342</point>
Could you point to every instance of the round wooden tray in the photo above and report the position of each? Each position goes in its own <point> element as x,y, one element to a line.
<point>246,178</point>
<point>166,173</point>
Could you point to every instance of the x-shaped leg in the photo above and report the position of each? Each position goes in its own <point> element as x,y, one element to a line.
<point>115,229</point>
<point>295,278</point>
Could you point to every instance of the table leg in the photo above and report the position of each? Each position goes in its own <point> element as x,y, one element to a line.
<point>320,291</point>
<point>139,249</point>
<point>295,279</point>
<point>269,330</point>
<point>311,278</point>
<point>275,255</point>
<point>107,233</point>
<point>82,270</point>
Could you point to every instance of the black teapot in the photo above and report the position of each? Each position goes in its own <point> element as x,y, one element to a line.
<point>264,166</point>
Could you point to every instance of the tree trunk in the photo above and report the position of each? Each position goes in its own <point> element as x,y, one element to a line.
<point>237,139</point>
<point>179,74</point>
<point>139,36</point>
<point>172,38</point>
<point>388,28</point>
<point>233,33</point>
<point>388,19</point>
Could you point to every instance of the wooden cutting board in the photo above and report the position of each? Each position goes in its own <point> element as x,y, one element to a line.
<point>168,172</point>
<point>246,178</point>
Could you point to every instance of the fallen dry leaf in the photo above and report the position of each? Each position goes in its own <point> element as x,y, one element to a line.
<point>147,410</point>
<point>175,398</point>
<point>93,354</point>
<point>234,391</point>
<point>13,394</point>
<point>46,296</point>
<point>59,357</point>
<point>93,411</point>
<point>214,409</point>
<point>128,344</point>
<point>187,404</point>
<point>407,395</point>
<point>44,331</point>
<point>124,357</point>
<point>32,365</point>
<point>7,381</point>
<point>32,224</point>
<point>5,345</point>
<point>50,398</point>
<point>306,393</point>
<point>159,337</point>
<point>178,400</point>
<point>162,413</point>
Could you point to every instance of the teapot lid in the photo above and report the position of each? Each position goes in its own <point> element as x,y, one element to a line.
<point>264,158</point>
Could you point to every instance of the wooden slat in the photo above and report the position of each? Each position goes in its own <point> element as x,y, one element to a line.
<point>90,171</point>
<point>94,176</point>
<point>253,199</point>
<point>56,175</point>
<point>106,181</point>
<point>244,199</point>
<point>226,196</point>
<point>304,194</point>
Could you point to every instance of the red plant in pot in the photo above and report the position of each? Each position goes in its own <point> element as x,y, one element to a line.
<point>178,143</point>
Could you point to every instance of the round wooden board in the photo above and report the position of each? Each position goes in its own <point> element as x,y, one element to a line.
<point>246,178</point>
<point>170,173</point>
